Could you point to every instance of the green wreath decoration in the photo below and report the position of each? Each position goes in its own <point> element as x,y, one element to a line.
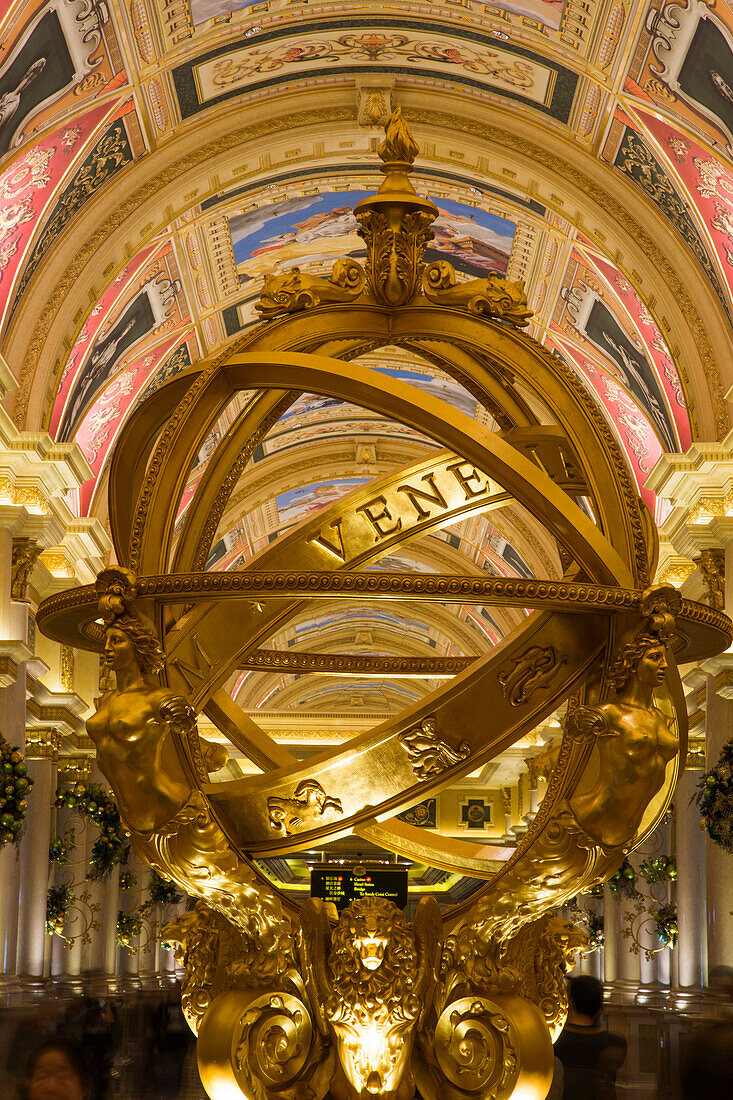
<point>58,902</point>
<point>715,799</point>
<point>659,869</point>
<point>594,922</point>
<point>623,882</point>
<point>129,927</point>
<point>16,785</point>
<point>665,919</point>
<point>98,805</point>
<point>108,851</point>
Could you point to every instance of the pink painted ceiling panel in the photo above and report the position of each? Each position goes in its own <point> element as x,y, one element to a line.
<point>98,318</point>
<point>28,185</point>
<point>148,304</point>
<point>633,430</point>
<point>656,348</point>
<point>708,181</point>
<point>100,426</point>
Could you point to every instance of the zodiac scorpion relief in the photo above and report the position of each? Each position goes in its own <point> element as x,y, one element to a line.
<point>376,1004</point>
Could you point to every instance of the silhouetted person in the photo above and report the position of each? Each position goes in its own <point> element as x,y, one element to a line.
<point>56,1071</point>
<point>98,1041</point>
<point>591,1056</point>
<point>707,1062</point>
<point>33,1028</point>
<point>170,1042</point>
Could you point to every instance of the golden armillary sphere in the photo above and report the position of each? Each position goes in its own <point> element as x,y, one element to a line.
<point>288,1003</point>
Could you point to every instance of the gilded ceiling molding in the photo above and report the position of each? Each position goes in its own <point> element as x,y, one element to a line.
<point>692,335</point>
<point>649,246</point>
<point>114,218</point>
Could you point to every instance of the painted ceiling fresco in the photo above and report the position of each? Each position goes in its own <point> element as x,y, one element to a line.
<point>88,92</point>
<point>128,338</point>
<point>546,12</point>
<point>683,64</point>
<point>156,317</point>
<point>322,229</point>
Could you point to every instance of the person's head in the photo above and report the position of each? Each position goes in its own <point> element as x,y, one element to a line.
<point>585,995</point>
<point>645,657</point>
<point>131,639</point>
<point>56,1071</point>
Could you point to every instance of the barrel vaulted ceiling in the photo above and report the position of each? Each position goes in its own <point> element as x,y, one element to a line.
<point>159,157</point>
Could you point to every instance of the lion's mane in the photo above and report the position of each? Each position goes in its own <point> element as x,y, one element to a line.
<point>390,988</point>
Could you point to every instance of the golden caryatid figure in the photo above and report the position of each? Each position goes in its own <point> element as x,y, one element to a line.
<point>291,1002</point>
<point>634,741</point>
<point>136,729</point>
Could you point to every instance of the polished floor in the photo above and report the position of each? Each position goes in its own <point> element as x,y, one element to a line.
<point>138,1046</point>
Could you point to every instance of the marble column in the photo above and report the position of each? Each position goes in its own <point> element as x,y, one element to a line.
<point>41,755</point>
<point>645,930</point>
<point>9,890</point>
<point>691,950</point>
<point>611,936</point>
<point>101,893</point>
<point>67,951</point>
<point>131,962</point>
<point>718,864</point>
<point>628,963</point>
<point>108,931</point>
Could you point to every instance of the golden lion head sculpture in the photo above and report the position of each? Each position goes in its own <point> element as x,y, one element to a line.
<point>373,962</point>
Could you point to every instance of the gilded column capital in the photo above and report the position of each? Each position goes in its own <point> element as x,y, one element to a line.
<point>75,769</point>
<point>25,554</point>
<point>42,744</point>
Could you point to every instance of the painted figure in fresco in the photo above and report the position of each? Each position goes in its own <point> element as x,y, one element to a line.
<point>139,730</point>
<point>10,102</point>
<point>97,370</point>
<point>634,742</point>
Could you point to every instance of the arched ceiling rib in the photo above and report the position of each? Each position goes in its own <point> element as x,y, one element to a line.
<point>159,157</point>
<point>193,118</point>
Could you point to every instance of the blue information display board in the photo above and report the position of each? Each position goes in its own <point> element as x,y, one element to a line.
<point>341,885</point>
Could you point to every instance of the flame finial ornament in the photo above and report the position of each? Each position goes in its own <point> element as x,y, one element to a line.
<point>395,223</point>
<point>399,145</point>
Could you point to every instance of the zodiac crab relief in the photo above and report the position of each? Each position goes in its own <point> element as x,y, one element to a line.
<point>308,803</point>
